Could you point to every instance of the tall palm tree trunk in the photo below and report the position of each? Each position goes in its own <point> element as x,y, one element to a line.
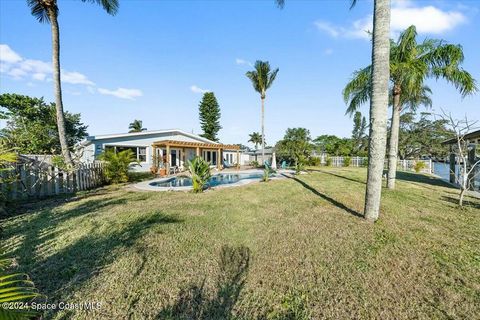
<point>263,131</point>
<point>58,87</point>
<point>393,143</point>
<point>378,107</point>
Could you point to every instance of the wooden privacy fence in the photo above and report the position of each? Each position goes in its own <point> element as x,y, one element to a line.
<point>404,165</point>
<point>34,180</point>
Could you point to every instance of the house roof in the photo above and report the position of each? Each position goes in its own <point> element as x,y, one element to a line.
<point>89,139</point>
<point>468,136</point>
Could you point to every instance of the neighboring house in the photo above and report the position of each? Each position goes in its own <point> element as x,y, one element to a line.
<point>162,148</point>
<point>473,141</point>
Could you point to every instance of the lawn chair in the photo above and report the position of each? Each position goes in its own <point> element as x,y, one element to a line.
<point>226,165</point>
<point>174,169</point>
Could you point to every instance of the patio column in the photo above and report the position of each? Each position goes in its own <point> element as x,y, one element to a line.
<point>219,159</point>
<point>168,159</point>
<point>197,152</point>
<point>238,159</point>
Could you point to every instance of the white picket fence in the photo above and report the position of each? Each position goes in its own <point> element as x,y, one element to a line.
<point>403,165</point>
<point>33,180</point>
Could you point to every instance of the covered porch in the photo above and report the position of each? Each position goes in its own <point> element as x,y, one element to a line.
<point>172,153</point>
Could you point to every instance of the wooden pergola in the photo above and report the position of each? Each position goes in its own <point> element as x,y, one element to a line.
<point>198,146</point>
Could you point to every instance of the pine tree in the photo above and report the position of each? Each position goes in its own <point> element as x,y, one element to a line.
<point>209,112</point>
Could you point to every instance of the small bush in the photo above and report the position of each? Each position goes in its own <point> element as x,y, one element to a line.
<point>118,164</point>
<point>314,161</point>
<point>254,163</point>
<point>419,166</point>
<point>200,171</point>
<point>347,161</point>
<point>328,162</point>
<point>365,162</point>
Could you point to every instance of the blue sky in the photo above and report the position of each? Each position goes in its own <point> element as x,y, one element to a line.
<point>154,58</point>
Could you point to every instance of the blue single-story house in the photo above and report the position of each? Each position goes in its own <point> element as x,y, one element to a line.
<point>163,148</point>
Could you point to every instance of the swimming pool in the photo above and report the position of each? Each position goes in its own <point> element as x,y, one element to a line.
<point>223,179</point>
<point>215,180</point>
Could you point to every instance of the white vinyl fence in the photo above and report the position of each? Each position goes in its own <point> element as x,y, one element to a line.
<point>34,180</point>
<point>403,165</point>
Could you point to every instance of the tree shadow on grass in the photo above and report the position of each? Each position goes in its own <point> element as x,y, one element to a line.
<point>197,302</point>
<point>61,273</point>
<point>422,179</point>
<point>338,176</point>
<point>466,203</point>
<point>327,198</point>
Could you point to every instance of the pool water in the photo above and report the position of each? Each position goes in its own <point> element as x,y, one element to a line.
<point>215,180</point>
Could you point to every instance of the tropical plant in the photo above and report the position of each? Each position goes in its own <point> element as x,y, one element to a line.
<point>328,162</point>
<point>136,126</point>
<point>295,145</point>
<point>314,161</point>
<point>359,137</point>
<point>266,174</point>
<point>200,171</point>
<point>411,63</point>
<point>347,161</point>
<point>255,163</point>
<point>255,138</point>
<point>117,165</point>
<point>31,125</point>
<point>262,78</point>
<point>16,288</point>
<point>419,166</point>
<point>209,114</point>
<point>47,11</point>
<point>7,174</point>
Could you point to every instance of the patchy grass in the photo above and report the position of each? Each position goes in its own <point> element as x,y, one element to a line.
<point>290,249</point>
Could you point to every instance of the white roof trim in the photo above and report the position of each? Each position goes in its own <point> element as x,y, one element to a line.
<point>144,133</point>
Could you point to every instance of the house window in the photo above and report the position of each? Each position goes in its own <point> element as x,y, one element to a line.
<point>140,153</point>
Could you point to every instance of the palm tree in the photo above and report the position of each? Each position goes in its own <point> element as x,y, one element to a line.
<point>262,78</point>
<point>378,105</point>
<point>411,63</point>
<point>47,11</point>
<point>256,139</point>
<point>136,126</point>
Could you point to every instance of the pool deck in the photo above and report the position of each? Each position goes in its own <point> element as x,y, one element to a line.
<point>145,185</point>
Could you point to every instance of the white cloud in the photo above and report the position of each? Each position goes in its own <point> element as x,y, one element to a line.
<point>243,62</point>
<point>75,78</point>
<point>16,73</point>
<point>328,28</point>
<point>17,67</point>
<point>122,93</point>
<point>8,55</point>
<point>427,19</point>
<point>196,89</point>
<point>39,76</point>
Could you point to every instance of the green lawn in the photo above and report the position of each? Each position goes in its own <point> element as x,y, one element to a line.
<point>289,249</point>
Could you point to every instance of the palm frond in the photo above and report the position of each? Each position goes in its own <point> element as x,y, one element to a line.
<point>110,6</point>
<point>40,10</point>
<point>358,90</point>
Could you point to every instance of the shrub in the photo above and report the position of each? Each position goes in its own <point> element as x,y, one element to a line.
<point>347,161</point>
<point>118,164</point>
<point>200,172</point>
<point>419,166</point>
<point>254,163</point>
<point>329,162</point>
<point>365,162</point>
<point>314,161</point>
